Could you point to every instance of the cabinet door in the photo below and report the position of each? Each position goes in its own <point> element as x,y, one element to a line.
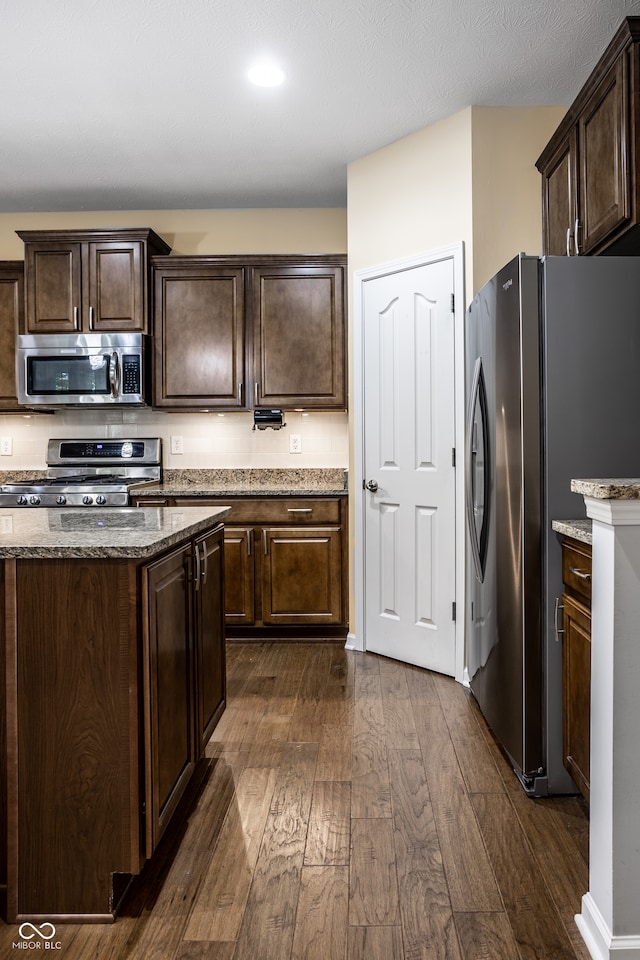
<point>199,337</point>
<point>603,140</point>
<point>169,702</point>
<point>53,274</point>
<point>114,296</point>
<point>209,636</point>
<point>11,320</point>
<point>299,336</point>
<point>576,671</point>
<point>302,575</point>
<point>560,199</point>
<point>239,576</point>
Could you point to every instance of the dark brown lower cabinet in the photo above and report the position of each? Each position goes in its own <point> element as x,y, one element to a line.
<point>115,679</point>
<point>301,575</point>
<point>285,565</point>
<point>576,661</point>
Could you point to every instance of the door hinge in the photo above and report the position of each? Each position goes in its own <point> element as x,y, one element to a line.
<point>453,610</point>
<point>453,456</point>
<point>453,303</point>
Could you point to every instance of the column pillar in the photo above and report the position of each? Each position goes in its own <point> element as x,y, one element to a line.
<point>610,918</point>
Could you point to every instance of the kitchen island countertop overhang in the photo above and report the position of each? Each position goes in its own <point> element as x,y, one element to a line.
<point>113,532</point>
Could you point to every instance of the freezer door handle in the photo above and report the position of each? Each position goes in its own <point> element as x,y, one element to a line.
<point>469,469</point>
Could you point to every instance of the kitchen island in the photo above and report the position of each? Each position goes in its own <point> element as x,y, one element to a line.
<point>112,658</point>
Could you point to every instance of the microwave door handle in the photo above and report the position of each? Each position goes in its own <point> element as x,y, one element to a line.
<point>113,374</point>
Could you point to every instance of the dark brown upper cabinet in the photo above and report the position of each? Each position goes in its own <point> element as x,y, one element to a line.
<point>11,320</point>
<point>298,313</point>
<point>199,333</point>
<point>88,280</point>
<point>590,188</point>
<point>236,332</point>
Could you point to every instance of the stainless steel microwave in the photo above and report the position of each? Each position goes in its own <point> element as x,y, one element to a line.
<point>80,369</point>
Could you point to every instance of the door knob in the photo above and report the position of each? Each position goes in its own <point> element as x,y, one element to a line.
<point>372,485</point>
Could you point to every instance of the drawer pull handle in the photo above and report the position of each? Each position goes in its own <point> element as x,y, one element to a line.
<point>299,509</point>
<point>557,631</point>
<point>248,534</point>
<point>264,542</point>
<point>581,574</point>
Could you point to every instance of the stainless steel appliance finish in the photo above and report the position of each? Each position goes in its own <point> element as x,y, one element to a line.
<point>553,393</point>
<point>87,473</point>
<point>60,370</point>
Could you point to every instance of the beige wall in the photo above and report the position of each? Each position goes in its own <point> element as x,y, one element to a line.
<point>506,187</point>
<point>200,231</point>
<point>209,440</point>
<point>471,177</point>
<point>412,196</point>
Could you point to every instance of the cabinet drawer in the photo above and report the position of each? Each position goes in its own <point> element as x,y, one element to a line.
<point>267,511</point>
<point>576,569</point>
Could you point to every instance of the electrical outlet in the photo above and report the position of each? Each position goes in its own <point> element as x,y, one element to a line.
<point>176,445</point>
<point>6,446</point>
<point>295,443</point>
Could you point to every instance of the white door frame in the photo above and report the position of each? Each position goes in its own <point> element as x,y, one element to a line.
<point>357,640</point>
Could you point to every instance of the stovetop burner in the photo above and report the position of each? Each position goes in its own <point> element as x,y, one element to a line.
<point>81,473</point>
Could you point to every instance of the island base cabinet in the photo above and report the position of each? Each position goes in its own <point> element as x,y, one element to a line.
<point>115,679</point>
<point>73,749</point>
<point>184,671</point>
<point>169,691</point>
<point>211,674</point>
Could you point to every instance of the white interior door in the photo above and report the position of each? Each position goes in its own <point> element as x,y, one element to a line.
<point>409,427</point>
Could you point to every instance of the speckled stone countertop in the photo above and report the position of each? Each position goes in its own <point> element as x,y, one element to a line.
<point>608,489</point>
<point>115,532</point>
<point>578,529</point>
<point>228,483</point>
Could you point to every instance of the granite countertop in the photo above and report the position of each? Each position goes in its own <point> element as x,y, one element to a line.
<point>115,532</point>
<point>238,482</point>
<point>608,489</point>
<point>577,529</point>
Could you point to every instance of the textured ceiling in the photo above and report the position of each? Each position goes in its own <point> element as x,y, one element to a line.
<point>144,104</point>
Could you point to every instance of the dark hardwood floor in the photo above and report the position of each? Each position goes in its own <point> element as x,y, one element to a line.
<point>354,808</point>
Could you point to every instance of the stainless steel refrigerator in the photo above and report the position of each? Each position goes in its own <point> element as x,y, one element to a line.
<point>553,393</point>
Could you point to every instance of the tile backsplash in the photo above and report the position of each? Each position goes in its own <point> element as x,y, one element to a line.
<point>208,440</point>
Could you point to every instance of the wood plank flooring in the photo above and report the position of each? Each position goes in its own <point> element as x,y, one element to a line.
<point>354,808</point>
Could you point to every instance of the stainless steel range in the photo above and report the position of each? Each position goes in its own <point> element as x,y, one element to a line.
<point>86,473</point>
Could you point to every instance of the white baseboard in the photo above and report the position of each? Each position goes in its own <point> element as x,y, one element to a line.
<point>601,943</point>
<point>353,643</point>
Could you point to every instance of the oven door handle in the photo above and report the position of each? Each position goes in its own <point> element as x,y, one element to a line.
<point>113,374</point>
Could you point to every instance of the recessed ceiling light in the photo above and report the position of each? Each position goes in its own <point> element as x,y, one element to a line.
<point>266,74</point>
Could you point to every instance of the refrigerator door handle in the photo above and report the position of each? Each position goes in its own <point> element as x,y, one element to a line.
<point>469,466</point>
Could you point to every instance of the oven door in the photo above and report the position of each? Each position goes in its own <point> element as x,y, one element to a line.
<point>87,369</point>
